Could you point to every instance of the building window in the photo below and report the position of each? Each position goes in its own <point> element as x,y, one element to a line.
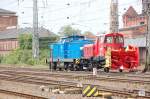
<point>142,23</point>
<point>129,19</point>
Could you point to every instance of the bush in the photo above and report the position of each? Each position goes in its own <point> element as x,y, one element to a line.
<point>1,58</point>
<point>23,55</point>
<point>44,54</point>
<point>12,58</point>
<point>19,56</point>
<point>25,41</point>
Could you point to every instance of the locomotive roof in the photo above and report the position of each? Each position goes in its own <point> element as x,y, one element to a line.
<point>113,34</point>
<point>75,36</point>
<point>110,34</point>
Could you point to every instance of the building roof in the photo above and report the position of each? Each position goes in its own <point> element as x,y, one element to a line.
<point>10,33</point>
<point>134,31</point>
<point>6,12</point>
<point>14,33</point>
<point>138,42</point>
<point>42,31</point>
<point>131,12</point>
<point>89,35</point>
<point>131,27</point>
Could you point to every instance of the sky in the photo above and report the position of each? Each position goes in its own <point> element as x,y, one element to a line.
<point>86,15</point>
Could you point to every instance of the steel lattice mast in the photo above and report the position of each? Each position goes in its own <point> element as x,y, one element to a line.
<point>114,21</point>
<point>146,10</point>
<point>35,36</point>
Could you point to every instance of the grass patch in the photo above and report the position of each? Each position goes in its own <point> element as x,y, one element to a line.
<point>22,57</point>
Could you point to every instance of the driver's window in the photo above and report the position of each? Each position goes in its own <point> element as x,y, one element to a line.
<point>109,40</point>
<point>118,39</point>
<point>121,39</point>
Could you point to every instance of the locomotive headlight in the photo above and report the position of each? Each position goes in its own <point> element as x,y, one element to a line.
<point>81,48</point>
<point>121,67</point>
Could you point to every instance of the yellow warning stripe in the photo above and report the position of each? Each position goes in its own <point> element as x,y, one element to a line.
<point>91,92</point>
<point>77,61</point>
<point>96,94</point>
<point>86,89</point>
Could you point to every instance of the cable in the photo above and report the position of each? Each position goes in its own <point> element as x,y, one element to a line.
<point>68,8</point>
<point>59,19</point>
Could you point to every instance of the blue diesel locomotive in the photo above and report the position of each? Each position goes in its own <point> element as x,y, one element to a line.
<point>69,52</point>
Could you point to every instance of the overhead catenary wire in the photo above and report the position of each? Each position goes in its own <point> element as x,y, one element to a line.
<point>73,4</point>
<point>54,10</point>
<point>67,8</point>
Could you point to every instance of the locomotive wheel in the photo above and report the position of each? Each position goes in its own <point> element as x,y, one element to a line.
<point>90,68</point>
<point>120,70</point>
<point>71,68</point>
<point>106,69</point>
<point>66,66</point>
<point>55,66</point>
<point>76,68</point>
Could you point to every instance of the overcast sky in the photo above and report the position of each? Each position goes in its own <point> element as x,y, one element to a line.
<point>87,15</point>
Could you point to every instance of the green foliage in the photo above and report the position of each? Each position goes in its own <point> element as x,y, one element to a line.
<point>13,57</point>
<point>25,41</point>
<point>1,58</point>
<point>23,55</point>
<point>68,31</point>
<point>86,33</point>
<point>19,56</point>
<point>43,56</point>
<point>44,42</point>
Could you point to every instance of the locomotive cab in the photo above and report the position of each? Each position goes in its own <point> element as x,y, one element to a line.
<point>114,41</point>
<point>103,46</point>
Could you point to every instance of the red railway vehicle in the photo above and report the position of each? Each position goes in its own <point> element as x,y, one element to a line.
<point>110,47</point>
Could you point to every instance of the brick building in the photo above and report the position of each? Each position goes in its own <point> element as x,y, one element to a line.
<point>9,38</point>
<point>8,19</point>
<point>8,27</point>
<point>134,30</point>
<point>9,32</point>
<point>8,41</point>
<point>134,24</point>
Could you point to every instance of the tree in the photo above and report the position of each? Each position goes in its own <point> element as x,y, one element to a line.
<point>89,34</point>
<point>68,31</point>
<point>25,41</point>
<point>45,42</point>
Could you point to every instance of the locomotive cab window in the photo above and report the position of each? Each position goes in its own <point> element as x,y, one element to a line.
<point>101,39</point>
<point>109,39</point>
<point>62,40</point>
<point>118,39</point>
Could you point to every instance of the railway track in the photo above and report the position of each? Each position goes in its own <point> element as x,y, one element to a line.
<point>71,75</point>
<point>114,74</point>
<point>127,74</point>
<point>43,77</point>
<point>66,84</point>
<point>21,94</point>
